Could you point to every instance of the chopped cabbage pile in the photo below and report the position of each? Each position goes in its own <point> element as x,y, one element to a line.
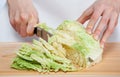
<point>70,48</point>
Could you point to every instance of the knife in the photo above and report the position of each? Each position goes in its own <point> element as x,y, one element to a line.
<point>42,33</point>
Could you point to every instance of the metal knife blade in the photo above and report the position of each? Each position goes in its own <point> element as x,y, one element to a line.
<point>42,33</point>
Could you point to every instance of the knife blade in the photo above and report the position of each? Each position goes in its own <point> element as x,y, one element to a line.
<point>42,33</point>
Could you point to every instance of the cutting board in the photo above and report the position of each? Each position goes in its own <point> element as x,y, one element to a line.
<point>109,65</point>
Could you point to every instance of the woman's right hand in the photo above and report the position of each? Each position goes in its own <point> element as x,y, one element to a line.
<point>23,16</point>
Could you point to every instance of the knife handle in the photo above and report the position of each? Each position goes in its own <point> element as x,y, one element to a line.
<point>35,30</point>
<point>38,31</point>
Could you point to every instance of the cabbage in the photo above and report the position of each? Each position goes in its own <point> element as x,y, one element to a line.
<point>69,49</point>
<point>41,58</point>
<point>81,48</point>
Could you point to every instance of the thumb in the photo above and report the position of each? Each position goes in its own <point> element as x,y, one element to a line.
<point>30,27</point>
<point>85,15</point>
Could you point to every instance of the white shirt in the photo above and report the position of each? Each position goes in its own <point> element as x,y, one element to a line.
<point>52,12</point>
<point>2,3</point>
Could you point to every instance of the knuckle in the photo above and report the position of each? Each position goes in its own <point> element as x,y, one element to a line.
<point>94,16</point>
<point>85,13</point>
<point>97,32</point>
<point>111,8</point>
<point>89,27</point>
<point>105,6</point>
<point>12,22</point>
<point>102,5</point>
<point>34,20</point>
<point>109,30</point>
<point>104,20</point>
<point>33,15</point>
<point>115,13</point>
<point>17,20</point>
<point>116,22</point>
<point>97,7</point>
<point>23,16</point>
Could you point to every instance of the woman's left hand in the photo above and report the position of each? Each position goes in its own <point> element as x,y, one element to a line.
<point>108,10</point>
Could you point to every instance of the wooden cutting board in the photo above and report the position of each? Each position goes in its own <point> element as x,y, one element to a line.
<point>109,65</point>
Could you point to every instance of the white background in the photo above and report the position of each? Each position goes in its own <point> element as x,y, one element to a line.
<point>53,12</point>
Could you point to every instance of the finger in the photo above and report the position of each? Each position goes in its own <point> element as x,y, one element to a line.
<point>23,31</point>
<point>85,16</point>
<point>17,28</point>
<point>17,22</point>
<point>23,26</point>
<point>24,17</point>
<point>93,20</point>
<point>30,27</point>
<point>103,22</point>
<point>11,15</point>
<point>110,28</point>
<point>13,24</point>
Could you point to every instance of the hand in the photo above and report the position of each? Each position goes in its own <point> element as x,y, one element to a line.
<point>108,10</point>
<point>23,16</point>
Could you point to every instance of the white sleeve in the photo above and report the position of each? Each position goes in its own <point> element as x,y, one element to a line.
<point>2,3</point>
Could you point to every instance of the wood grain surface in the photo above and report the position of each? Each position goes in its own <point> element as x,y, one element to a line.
<point>110,65</point>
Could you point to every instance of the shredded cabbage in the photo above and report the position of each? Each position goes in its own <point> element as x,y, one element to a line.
<point>69,49</point>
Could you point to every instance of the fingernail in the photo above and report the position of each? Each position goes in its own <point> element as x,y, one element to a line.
<point>102,45</point>
<point>35,25</point>
<point>95,37</point>
<point>89,31</point>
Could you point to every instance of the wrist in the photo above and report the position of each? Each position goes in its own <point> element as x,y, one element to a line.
<point>117,5</point>
<point>18,1</point>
